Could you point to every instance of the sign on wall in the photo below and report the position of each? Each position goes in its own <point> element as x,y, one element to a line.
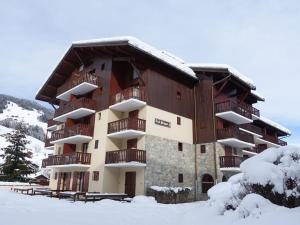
<point>162,122</point>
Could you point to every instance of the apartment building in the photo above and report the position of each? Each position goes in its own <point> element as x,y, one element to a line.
<point>129,116</point>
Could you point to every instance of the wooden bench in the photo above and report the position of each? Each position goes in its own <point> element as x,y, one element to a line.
<point>23,189</point>
<point>93,196</point>
<point>44,191</point>
<point>70,194</point>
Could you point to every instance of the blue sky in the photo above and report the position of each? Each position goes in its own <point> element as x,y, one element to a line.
<point>259,38</point>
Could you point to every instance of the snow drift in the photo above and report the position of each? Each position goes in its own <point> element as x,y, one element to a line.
<point>273,174</point>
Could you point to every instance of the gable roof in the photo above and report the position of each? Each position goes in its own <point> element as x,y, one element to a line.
<point>227,68</point>
<point>48,91</point>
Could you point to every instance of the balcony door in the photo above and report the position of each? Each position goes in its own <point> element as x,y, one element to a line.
<point>134,114</point>
<point>130,180</point>
<point>132,143</point>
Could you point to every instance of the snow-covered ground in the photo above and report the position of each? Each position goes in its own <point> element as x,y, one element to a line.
<point>18,209</point>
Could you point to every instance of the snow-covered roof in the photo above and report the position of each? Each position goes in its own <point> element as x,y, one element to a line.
<point>258,95</point>
<point>275,125</point>
<point>164,56</point>
<point>230,69</point>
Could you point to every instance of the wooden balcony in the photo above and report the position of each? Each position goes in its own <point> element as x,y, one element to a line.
<point>75,109</point>
<point>67,159</point>
<point>48,145</point>
<point>127,128</point>
<point>252,128</point>
<point>230,161</point>
<point>233,111</point>
<point>129,99</point>
<point>274,140</point>
<point>81,84</point>
<point>257,149</point>
<point>78,133</point>
<point>125,156</point>
<point>235,137</point>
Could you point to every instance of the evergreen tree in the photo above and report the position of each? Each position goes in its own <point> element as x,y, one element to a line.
<point>16,157</point>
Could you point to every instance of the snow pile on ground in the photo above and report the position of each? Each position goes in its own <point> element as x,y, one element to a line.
<point>274,167</point>
<point>273,174</point>
<point>170,189</point>
<point>140,199</point>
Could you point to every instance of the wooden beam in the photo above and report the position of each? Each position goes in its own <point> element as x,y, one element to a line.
<point>221,88</point>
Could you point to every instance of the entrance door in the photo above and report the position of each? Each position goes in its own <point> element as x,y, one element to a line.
<point>130,183</point>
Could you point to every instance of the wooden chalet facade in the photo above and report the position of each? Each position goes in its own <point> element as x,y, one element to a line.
<point>129,116</point>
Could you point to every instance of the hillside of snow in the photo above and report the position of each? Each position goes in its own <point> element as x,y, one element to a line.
<point>16,111</point>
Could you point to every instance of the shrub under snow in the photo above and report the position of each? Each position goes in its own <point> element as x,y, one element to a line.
<point>273,174</point>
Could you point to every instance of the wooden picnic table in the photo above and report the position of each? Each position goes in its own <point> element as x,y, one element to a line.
<point>93,196</point>
<point>70,194</point>
<point>23,189</point>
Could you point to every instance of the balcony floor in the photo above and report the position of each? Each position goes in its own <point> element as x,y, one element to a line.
<point>263,141</point>
<point>126,165</point>
<point>249,152</point>
<point>128,105</point>
<point>80,89</point>
<point>234,142</point>
<point>50,147</point>
<point>76,139</point>
<point>70,166</point>
<point>52,128</point>
<point>126,134</point>
<point>75,114</point>
<point>234,117</point>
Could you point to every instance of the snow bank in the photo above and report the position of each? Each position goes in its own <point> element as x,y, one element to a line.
<point>273,174</point>
<point>274,166</point>
<point>227,195</point>
<point>140,199</point>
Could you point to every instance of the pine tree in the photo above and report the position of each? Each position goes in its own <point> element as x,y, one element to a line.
<point>16,157</point>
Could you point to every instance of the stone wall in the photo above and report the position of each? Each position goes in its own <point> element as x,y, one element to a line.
<point>165,162</point>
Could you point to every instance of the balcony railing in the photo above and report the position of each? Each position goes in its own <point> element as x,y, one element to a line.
<point>75,104</point>
<point>257,149</point>
<point>70,158</point>
<point>132,92</point>
<point>78,129</point>
<point>274,140</point>
<point>234,132</point>
<point>252,128</point>
<point>127,155</point>
<point>230,161</point>
<point>237,107</point>
<point>47,143</point>
<point>126,124</point>
<point>82,77</point>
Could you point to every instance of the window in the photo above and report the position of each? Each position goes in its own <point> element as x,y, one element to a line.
<point>234,151</point>
<point>103,66</point>
<point>178,120</point>
<point>180,178</point>
<point>95,175</point>
<point>96,144</point>
<point>55,176</point>
<point>99,116</point>
<point>81,68</point>
<point>178,95</point>
<point>135,75</point>
<point>180,146</point>
<point>59,151</point>
<point>203,148</point>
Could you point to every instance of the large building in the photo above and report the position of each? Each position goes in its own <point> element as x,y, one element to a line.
<point>129,116</point>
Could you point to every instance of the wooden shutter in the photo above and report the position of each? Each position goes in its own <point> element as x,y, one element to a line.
<point>86,182</point>
<point>59,181</point>
<point>75,180</point>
